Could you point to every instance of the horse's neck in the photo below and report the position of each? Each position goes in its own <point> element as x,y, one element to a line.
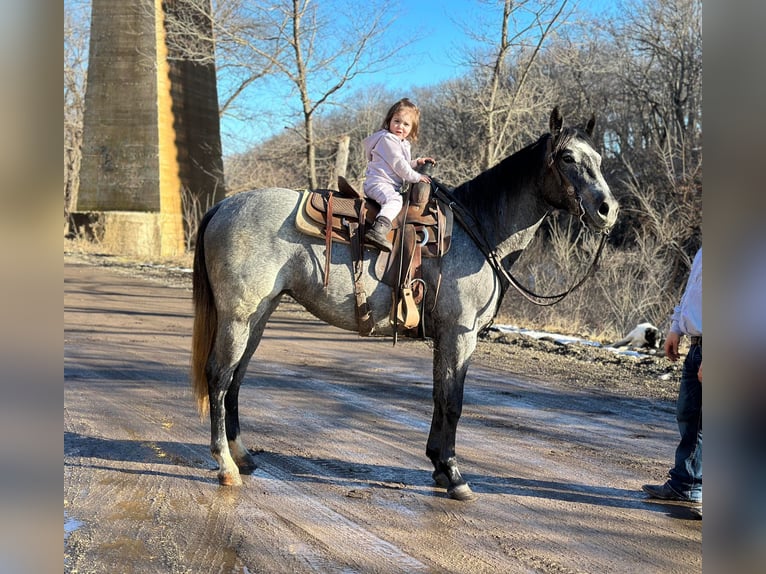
<point>510,250</point>
<point>506,200</point>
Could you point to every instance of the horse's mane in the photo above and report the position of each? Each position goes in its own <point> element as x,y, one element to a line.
<point>481,194</point>
<point>517,171</point>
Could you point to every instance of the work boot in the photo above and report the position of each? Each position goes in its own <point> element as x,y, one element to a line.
<point>376,235</point>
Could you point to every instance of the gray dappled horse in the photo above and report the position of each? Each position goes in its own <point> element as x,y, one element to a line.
<point>249,254</point>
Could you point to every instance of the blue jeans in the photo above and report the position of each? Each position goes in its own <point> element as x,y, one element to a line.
<point>686,475</point>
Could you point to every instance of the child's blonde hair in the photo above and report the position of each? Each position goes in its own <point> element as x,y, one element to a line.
<point>402,105</point>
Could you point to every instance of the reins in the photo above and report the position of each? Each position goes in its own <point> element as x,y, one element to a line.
<point>462,214</point>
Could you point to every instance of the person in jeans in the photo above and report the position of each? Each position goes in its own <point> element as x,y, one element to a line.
<point>389,166</point>
<point>685,478</point>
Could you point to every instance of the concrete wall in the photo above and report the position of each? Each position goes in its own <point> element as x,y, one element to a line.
<point>150,131</point>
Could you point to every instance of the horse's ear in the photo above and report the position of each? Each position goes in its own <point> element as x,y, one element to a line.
<point>590,125</point>
<point>556,121</point>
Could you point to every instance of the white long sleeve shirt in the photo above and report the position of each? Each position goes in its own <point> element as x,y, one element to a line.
<point>687,316</point>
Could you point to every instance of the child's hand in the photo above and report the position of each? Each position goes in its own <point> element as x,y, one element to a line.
<point>422,160</point>
<point>425,179</point>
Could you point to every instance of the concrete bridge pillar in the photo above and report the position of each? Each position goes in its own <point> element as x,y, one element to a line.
<point>151,132</point>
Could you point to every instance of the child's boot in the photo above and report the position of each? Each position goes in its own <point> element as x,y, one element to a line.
<point>377,234</point>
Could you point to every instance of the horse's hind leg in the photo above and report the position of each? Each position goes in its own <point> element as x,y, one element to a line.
<point>239,453</point>
<point>237,449</point>
<point>224,364</point>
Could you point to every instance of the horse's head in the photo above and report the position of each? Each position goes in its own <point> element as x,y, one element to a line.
<point>573,180</point>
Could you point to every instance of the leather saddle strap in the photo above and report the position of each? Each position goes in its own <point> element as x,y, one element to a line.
<point>402,235</point>
<point>328,238</point>
<point>364,318</point>
<point>414,270</point>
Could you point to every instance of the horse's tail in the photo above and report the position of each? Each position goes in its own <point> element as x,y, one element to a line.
<point>205,318</point>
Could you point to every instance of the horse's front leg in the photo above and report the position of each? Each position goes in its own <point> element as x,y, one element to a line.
<point>450,367</point>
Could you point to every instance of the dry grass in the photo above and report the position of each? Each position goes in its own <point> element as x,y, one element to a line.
<point>627,288</point>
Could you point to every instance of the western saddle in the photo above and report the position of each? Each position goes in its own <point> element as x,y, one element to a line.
<point>423,228</point>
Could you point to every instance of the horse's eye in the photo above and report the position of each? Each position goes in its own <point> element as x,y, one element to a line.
<point>568,158</point>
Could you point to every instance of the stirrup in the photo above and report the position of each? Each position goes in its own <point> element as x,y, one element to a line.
<point>407,313</point>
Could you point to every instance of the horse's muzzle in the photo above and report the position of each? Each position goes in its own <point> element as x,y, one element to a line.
<point>606,215</point>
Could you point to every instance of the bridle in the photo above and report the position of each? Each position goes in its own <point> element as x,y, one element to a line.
<point>563,181</point>
<point>468,221</point>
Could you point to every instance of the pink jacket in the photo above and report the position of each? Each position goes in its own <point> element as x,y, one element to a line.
<point>388,161</point>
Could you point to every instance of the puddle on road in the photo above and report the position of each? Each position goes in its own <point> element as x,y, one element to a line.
<point>70,525</point>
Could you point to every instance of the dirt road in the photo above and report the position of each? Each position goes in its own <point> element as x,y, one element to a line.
<point>343,484</point>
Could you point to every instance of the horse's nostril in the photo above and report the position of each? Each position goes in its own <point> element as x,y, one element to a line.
<point>603,210</point>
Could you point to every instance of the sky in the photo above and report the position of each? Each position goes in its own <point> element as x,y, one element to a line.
<point>436,54</point>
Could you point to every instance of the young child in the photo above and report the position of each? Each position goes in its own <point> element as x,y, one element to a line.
<point>390,166</point>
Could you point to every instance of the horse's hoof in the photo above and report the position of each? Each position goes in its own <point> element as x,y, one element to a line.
<point>229,479</point>
<point>440,478</point>
<point>461,492</point>
<point>247,468</point>
<point>246,465</point>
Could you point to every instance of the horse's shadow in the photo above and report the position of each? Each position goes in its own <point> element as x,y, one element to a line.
<point>95,453</point>
<point>355,476</point>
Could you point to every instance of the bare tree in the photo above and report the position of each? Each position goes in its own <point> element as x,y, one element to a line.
<point>318,49</point>
<point>270,164</point>
<point>327,51</point>
<point>658,126</point>
<point>249,39</point>
<point>660,48</point>
<point>504,68</point>
<point>643,74</point>
<point>280,160</point>
<point>76,37</point>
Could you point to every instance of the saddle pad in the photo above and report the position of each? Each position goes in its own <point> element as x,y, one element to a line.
<point>310,226</point>
<point>302,222</point>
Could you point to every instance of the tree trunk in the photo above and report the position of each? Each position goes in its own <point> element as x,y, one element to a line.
<point>310,152</point>
<point>341,161</point>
